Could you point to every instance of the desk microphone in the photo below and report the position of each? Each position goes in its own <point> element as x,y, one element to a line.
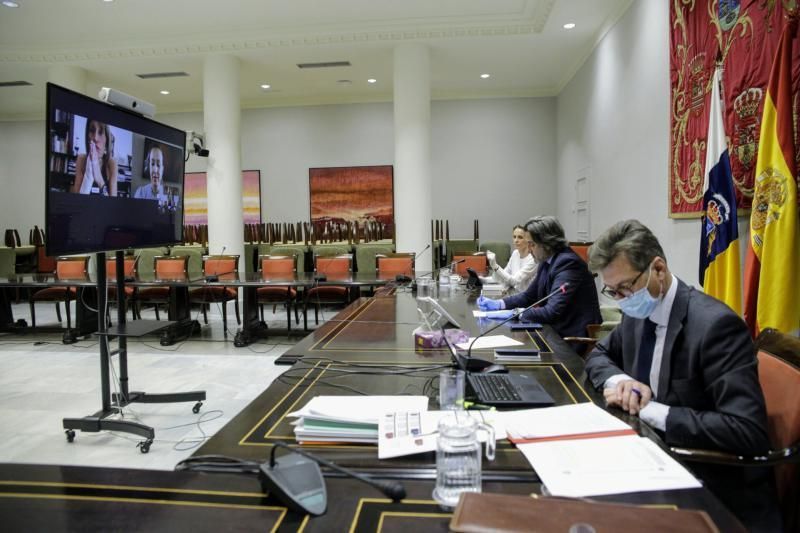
<point>478,364</point>
<point>211,278</point>
<point>402,278</point>
<point>296,480</point>
<point>436,271</point>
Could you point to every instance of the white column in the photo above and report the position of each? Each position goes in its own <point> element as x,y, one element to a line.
<point>412,151</point>
<point>221,119</point>
<point>68,76</point>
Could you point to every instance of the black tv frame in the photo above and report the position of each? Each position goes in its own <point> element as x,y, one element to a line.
<point>136,210</point>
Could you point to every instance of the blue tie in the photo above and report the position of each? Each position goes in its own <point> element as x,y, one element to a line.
<point>644,359</point>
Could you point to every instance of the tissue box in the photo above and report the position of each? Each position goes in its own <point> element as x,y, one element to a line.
<point>434,339</point>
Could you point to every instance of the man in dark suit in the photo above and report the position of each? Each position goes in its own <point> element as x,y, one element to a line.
<point>568,311</point>
<point>684,362</point>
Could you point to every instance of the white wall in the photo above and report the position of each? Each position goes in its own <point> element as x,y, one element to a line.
<point>613,117</point>
<point>492,159</point>
<point>22,171</point>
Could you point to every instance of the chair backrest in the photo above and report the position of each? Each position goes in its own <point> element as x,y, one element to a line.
<point>582,249</point>
<point>339,264</point>
<point>501,250</point>
<point>173,266</point>
<point>780,382</point>
<point>277,266</point>
<point>72,267</point>
<point>393,264</point>
<point>128,265</point>
<point>476,262</point>
<point>220,265</point>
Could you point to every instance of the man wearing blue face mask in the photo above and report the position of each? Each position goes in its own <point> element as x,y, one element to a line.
<point>684,362</point>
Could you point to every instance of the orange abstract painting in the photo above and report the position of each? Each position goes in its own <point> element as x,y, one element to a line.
<point>354,194</point>
<point>195,203</point>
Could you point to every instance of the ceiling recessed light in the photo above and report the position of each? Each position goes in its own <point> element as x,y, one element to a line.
<point>484,76</point>
<point>371,80</point>
<point>569,25</point>
<point>265,86</point>
<point>164,92</point>
<point>9,3</point>
<point>107,1</point>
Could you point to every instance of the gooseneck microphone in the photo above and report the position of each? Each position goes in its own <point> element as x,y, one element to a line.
<point>402,278</point>
<point>294,478</point>
<point>393,490</point>
<point>211,278</point>
<point>561,288</point>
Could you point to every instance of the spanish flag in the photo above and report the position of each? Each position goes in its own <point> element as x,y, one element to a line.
<point>720,273</point>
<point>772,269</point>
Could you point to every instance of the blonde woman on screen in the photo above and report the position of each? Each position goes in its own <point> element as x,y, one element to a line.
<point>96,170</point>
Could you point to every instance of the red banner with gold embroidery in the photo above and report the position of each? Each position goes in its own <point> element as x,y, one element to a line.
<point>744,35</point>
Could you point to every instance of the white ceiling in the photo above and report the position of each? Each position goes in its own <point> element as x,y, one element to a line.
<point>521,43</point>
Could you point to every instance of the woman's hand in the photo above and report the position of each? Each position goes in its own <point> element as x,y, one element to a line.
<point>93,165</point>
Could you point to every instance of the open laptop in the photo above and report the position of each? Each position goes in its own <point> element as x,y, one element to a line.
<point>502,390</point>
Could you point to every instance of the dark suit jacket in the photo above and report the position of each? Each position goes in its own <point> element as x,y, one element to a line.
<point>709,378</point>
<point>569,313</point>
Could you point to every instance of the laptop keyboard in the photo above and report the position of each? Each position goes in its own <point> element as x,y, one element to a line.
<point>493,387</point>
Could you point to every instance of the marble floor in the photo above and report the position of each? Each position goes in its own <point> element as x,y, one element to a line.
<point>43,381</point>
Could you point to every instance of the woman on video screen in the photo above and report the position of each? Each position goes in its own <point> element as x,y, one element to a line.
<point>96,170</point>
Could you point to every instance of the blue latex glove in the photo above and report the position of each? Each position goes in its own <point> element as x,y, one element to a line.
<point>487,304</point>
<point>501,314</point>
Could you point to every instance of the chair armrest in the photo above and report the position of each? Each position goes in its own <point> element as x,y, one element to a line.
<point>773,457</point>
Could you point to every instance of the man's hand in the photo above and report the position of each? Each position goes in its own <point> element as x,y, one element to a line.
<point>629,395</point>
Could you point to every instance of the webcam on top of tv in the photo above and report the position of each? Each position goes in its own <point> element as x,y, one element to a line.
<point>197,143</point>
<point>120,99</point>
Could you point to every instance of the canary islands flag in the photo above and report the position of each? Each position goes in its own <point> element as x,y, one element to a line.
<point>772,268</point>
<point>720,273</point>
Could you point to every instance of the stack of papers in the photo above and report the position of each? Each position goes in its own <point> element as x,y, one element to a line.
<point>493,289</point>
<point>349,418</point>
<point>581,450</point>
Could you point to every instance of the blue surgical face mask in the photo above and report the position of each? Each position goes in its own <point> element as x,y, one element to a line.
<point>641,303</point>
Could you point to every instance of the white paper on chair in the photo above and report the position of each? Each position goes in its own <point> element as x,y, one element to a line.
<point>610,465</point>
<point>490,341</point>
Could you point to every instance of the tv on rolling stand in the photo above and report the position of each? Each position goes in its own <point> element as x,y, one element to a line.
<point>114,181</point>
<point>114,178</point>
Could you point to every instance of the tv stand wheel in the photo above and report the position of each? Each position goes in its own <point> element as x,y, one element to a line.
<point>196,408</point>
<point>69,337</point>
<point>22,323</point>
<point>70,435</point>
<point>144,446</point>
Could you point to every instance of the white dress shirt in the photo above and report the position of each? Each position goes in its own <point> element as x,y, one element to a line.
<point>655,413</point>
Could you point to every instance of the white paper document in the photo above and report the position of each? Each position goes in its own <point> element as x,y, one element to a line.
<point>563,420</point>
<point>502,313</point>
<point>489,341</point>
<point>358,409</point>
<point>407,433</point>
<point>610,465</point>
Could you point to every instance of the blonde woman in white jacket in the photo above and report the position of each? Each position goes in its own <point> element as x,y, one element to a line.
<point>521,268</point>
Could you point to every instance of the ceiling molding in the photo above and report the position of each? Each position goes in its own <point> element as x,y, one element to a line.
<point>77,54</point>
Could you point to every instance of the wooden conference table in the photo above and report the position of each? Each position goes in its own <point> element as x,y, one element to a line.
<point>367,348</point>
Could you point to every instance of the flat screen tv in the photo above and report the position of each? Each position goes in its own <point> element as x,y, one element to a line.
<point>114,178</point>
